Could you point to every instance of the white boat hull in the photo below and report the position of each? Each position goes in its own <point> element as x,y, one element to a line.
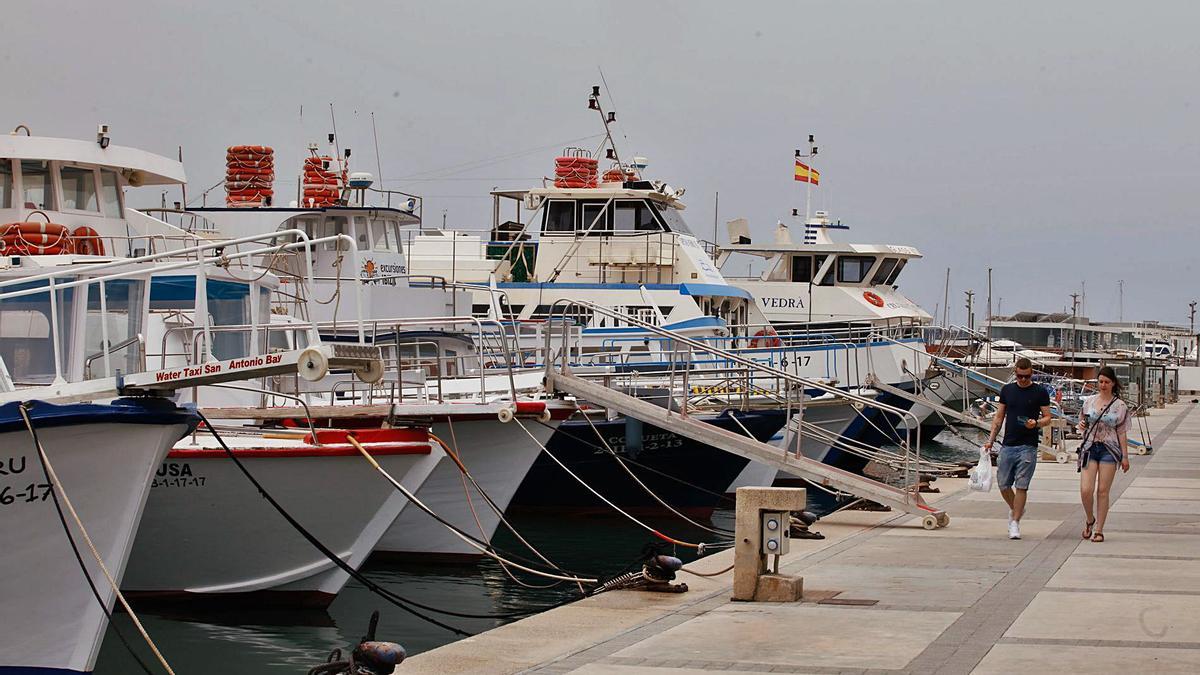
<point>50,617</point>
<point>498,456</point>
<point>209,535</point>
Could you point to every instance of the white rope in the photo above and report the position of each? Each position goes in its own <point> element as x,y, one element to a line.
<point>62,493</point>
<point>413,498</point>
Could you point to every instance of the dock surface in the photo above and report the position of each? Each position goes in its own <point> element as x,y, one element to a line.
<point>882,595</point>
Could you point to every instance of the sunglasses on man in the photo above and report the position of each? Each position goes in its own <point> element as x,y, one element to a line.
<point>1026,376</point>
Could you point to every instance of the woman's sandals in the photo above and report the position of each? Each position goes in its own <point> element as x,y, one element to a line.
<point>1098,537</point>
<point>1087,529</point>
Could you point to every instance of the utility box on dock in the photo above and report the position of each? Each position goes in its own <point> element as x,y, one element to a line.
<point>761,529</point>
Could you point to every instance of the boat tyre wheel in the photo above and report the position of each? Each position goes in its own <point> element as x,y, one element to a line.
<point>929,522</point>
<point>505,415</point>
<point>1141,450</point>
<point>943,519</point>
<point>1061,457</point>
<point>544,416</point>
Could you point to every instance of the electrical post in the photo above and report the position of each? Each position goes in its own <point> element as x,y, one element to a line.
<point>971,310</point>
<point>1074,327</point>
<point>1195,341</point>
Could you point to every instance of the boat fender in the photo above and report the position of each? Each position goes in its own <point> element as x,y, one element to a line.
<point>371,373</point>
<point>313,365</point>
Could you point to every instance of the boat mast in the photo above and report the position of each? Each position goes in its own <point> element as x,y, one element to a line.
<point>812,152</point>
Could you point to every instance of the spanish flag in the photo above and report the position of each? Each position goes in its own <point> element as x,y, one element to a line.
<point>807,174</point>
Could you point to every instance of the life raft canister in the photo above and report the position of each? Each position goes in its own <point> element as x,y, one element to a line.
<point>873,298</point>
<point>765,337</point>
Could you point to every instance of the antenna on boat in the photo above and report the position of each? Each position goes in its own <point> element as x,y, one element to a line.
<point>378,162</point>
<point>606,118</point>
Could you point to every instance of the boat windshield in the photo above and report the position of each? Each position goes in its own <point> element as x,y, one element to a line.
<point>27,336</point>
<point>673,219</point>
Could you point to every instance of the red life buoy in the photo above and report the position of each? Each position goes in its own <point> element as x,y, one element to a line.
<point>766,337</point>
<point>250,150</point>
<point>873,298</point>
<point>87,241</point>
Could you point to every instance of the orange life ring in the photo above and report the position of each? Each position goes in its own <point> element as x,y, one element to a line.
<point>250,149</point>
<point>873,298</point>
<point>87,241</point>
<point>767,337</point>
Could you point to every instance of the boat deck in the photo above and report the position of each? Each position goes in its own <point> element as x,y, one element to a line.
<point>883,595</point>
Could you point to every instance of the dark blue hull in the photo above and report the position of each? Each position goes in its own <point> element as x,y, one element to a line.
<point>682,472</point>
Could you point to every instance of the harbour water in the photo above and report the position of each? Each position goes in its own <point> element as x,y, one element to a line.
<point>262,642</point>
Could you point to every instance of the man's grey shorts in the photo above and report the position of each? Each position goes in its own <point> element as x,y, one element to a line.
<point>1015,465</point>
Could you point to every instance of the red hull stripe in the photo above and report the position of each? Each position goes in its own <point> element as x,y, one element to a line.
<point>339,450</point>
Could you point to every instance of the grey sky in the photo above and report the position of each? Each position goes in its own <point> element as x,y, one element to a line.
<point>1055,142</point>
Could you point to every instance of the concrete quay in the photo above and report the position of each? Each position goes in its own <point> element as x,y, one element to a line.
<point>883,595</point>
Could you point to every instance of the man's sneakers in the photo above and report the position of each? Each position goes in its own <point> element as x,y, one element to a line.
<point>1014,530</point>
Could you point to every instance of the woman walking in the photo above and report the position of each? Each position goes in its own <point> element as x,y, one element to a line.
<point>1103,422</point>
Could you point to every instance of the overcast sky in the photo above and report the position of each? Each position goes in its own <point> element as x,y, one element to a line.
<point>1055,142</point>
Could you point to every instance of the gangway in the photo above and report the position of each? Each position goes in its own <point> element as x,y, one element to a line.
<point>874,382</point>
<point>906,499</point>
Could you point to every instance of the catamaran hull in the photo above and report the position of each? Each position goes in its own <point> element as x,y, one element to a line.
<point>209,535</point>
<point>682,472</point>
<point>105,456</point>
<point>498,456</point>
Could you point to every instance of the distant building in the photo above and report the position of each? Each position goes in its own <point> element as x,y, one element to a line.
<point>1082,338</point>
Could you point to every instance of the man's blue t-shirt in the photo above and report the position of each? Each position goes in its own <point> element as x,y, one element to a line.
<point>1022,402</point>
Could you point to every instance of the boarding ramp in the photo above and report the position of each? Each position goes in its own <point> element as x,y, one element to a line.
<point>559,377</point>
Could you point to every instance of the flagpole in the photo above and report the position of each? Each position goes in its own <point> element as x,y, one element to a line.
<point>812,152</point>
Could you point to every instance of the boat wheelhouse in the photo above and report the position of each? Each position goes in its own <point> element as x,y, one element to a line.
<point>622,244</point>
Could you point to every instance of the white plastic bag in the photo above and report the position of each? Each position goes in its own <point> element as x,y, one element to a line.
<point>980,477</point>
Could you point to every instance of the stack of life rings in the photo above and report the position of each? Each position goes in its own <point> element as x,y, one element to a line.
<point>249,175</point>
<point>616,175</point>
<point>322,187</point>
<point>48,239</point>
<point>575,171</point>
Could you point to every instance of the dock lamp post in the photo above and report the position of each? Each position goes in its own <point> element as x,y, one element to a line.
<point>1195,338</point>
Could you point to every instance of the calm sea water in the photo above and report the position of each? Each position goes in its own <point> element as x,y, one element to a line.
<point>277,642</point>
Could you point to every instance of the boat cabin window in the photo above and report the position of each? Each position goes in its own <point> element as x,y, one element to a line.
<point>123,315</point>
<point>629,216</point>
<point>329,227</point>
<point>885,270</point>
<point>560,217</point>
<point>852,269</point>
<point>6,183</point>
<point>385,235</point>
<point>27,342</point>
<point>891,280</point>
<point>78,188</point>
<point>595,218</point>
<point>827,278</point>
<point>36,187</point>
<point>802,269</point>
<point>110,194</point>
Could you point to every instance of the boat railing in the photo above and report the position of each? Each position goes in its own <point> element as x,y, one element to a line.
<point>58,281</point>
<point>793,388</point>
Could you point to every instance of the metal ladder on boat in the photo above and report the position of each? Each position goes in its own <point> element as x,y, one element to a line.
<point>560,379</point>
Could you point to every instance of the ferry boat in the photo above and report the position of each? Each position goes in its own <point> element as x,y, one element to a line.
<point>843,299</point>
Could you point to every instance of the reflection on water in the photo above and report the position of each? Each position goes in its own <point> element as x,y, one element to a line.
<point>274,643</point>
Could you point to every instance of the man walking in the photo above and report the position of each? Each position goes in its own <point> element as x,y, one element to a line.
<point>1023,408</point>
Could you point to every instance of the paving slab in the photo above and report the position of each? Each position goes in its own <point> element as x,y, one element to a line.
<point>1157,506</point>
<point>1146,492</point>
<point>1143,481</point>
<point>1140,574</point>
<point>1006,659</point>
<point>1117,542</point>
<point>778,635</point>
<point>1035,497</point>
<point>998,555</point>
<point>1127,616</point>
<point>1122,521</point>
<point>609,668</point>
<point>909,586</point>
